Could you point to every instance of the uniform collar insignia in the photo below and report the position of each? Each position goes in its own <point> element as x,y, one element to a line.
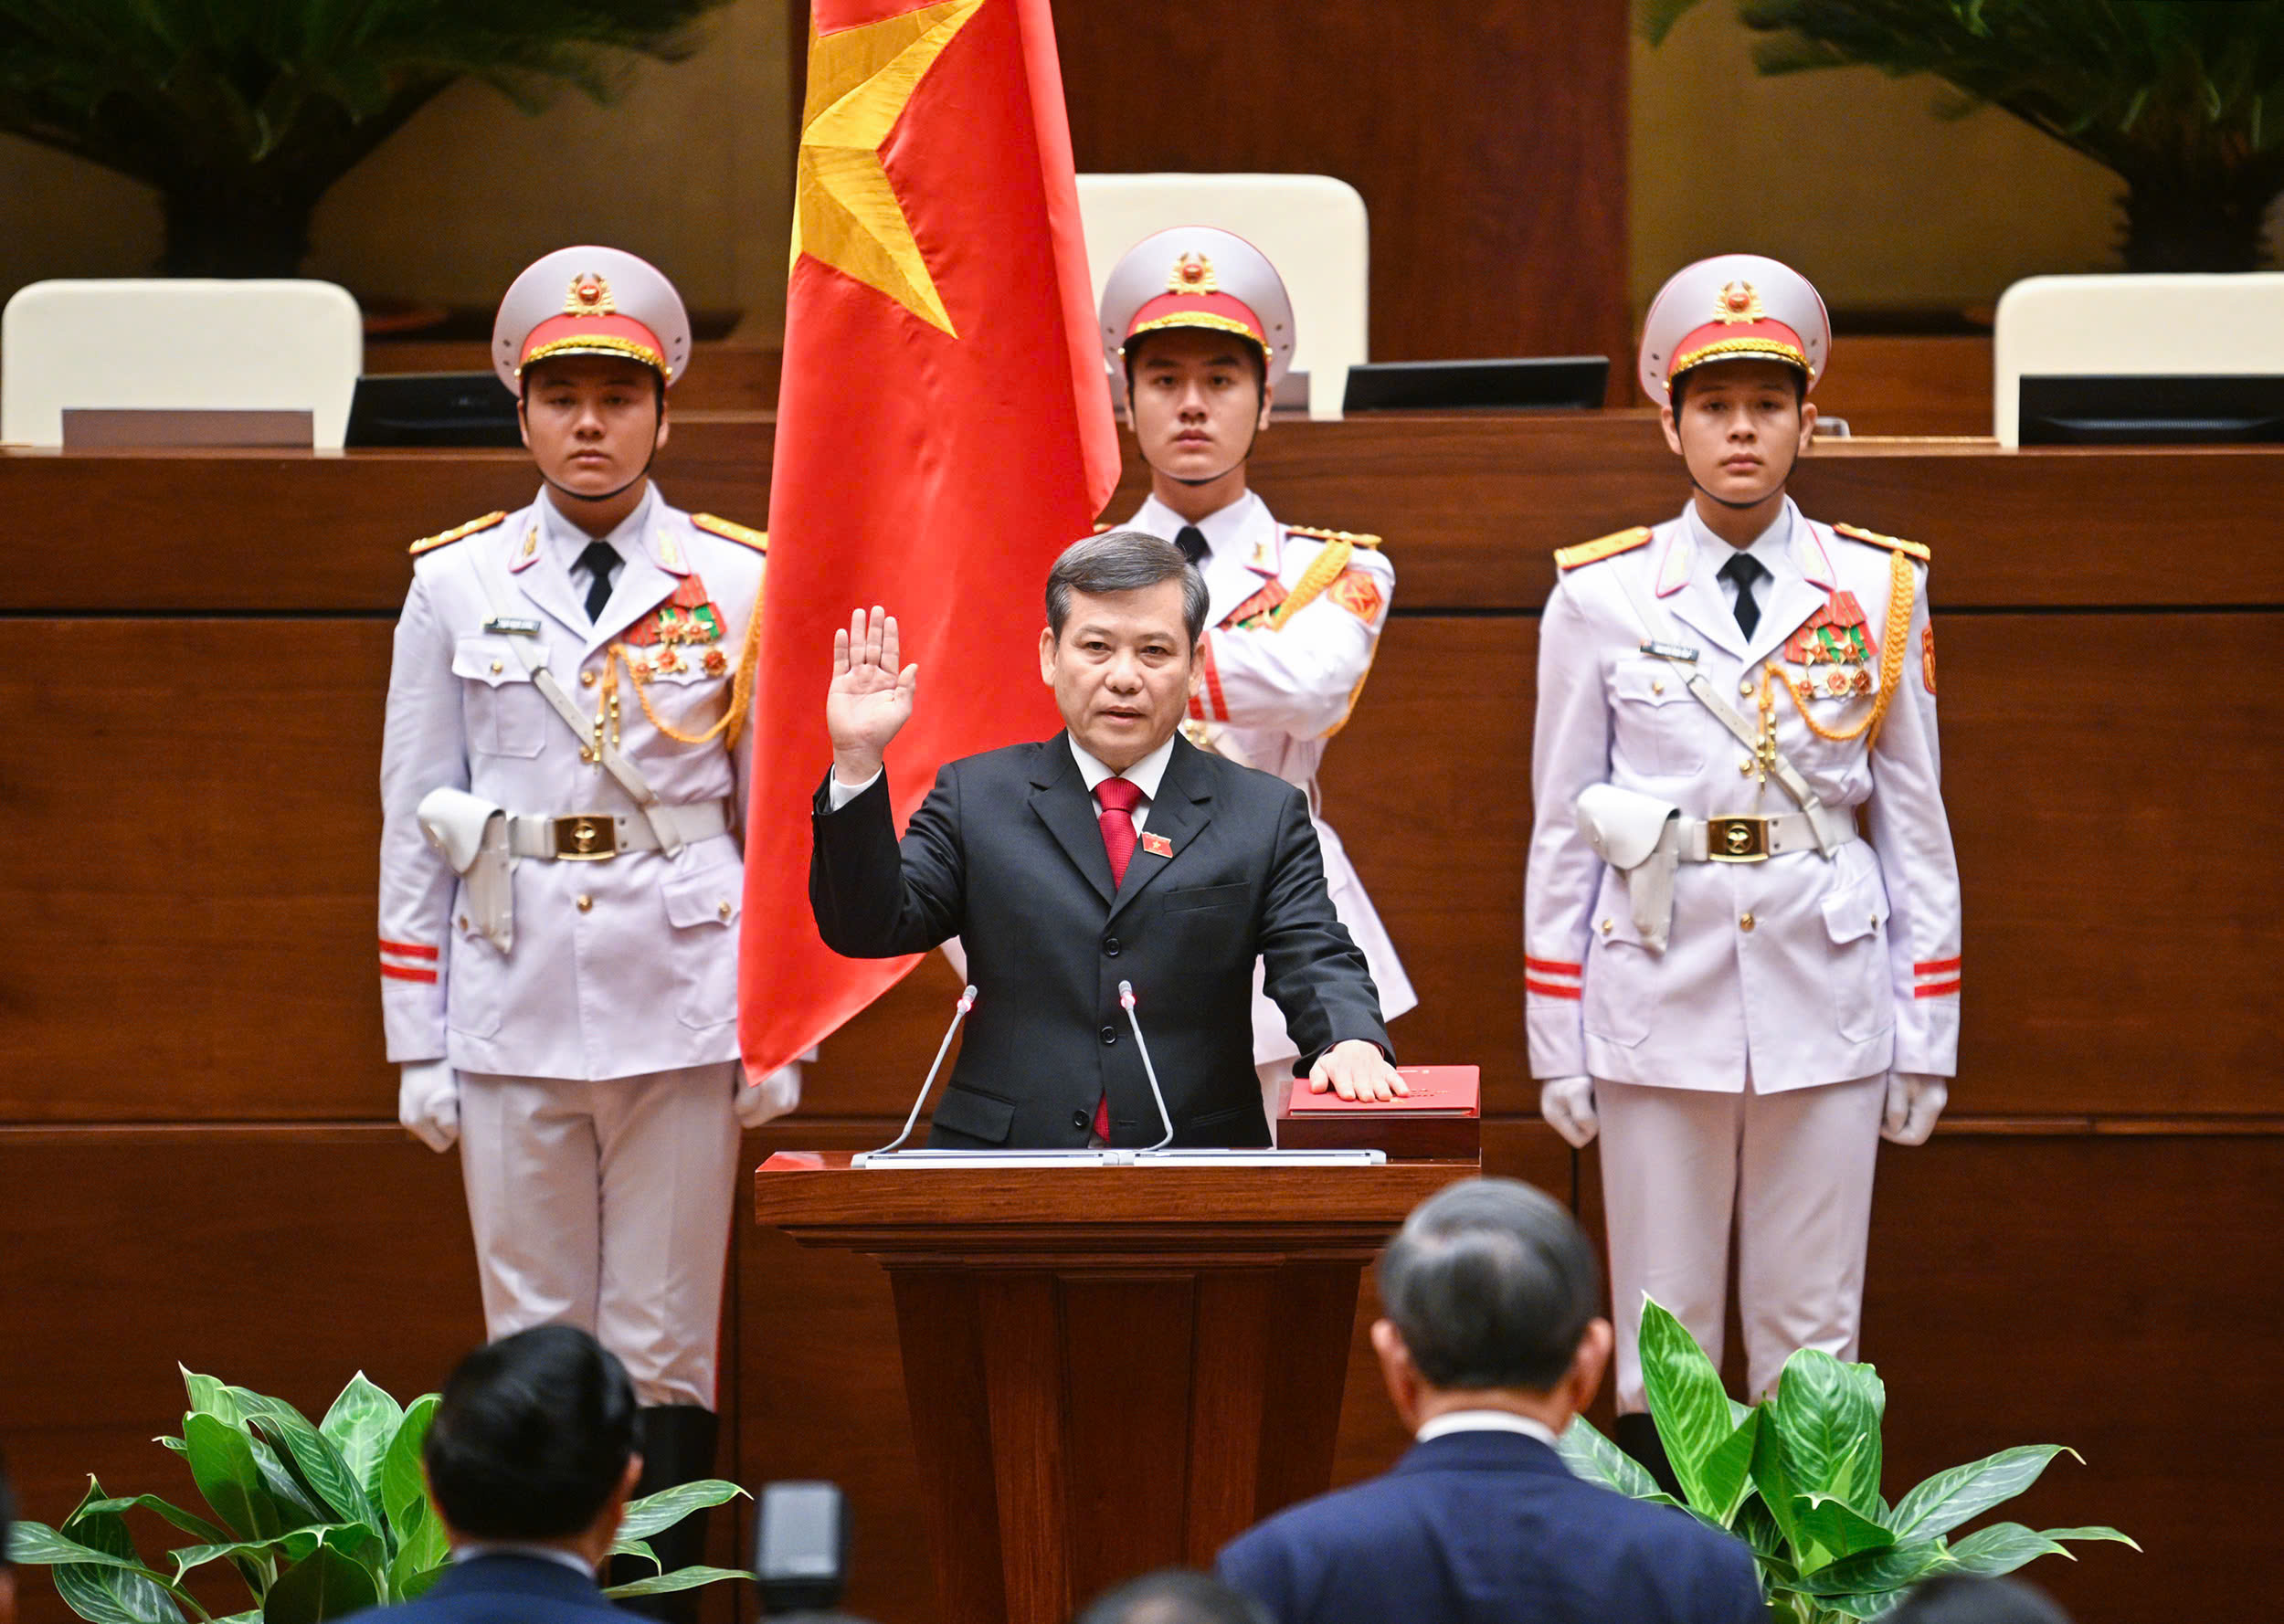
<point>527,554</point>
<point>1681,555</point>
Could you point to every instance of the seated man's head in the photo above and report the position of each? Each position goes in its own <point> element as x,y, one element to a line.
<point>534,1444</point>
<point>1174,1596</point>
<point>1493,1300</point>
<point>1124,611</point>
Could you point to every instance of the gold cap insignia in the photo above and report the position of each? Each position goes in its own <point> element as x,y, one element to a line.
<point>1737,301</point>
<point>589,296</point>
<point>1193,273</point>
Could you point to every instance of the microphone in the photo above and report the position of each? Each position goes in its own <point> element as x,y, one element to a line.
<point>1125,1002</point>
<point>960,1013</point>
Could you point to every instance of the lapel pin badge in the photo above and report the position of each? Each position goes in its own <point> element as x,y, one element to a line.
<point>1156,844</point>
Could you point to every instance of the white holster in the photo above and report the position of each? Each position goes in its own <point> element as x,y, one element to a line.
<point>473,836</point>
<point>1639,836</point>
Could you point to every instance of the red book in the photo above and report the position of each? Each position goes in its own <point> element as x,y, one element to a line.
<point>1441,1119</point>
<point>943,433</point>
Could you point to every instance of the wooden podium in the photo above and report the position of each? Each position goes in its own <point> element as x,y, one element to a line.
<point>1110,1369</point>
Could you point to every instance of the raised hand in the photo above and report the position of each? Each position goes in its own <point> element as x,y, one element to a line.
<point>871,698</point>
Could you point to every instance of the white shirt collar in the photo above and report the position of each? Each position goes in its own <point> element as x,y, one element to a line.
<point>1146,773</point>
<point>1485,1420</point>
<point>537,1553</point>
<point>1771,549</point>
<point>567,540</point>
<point>1221,528</point>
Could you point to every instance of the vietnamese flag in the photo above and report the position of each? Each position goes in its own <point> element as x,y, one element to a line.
<point>943,431</point>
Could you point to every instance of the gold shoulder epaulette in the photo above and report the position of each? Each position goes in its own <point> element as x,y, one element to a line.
<point>1601,547</point>
<point>445,538</point>
<point>1349,536</point>
<point>1894,544</point>
<point>744,536</point>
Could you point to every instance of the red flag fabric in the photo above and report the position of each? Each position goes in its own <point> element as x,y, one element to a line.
<point>943,432</point>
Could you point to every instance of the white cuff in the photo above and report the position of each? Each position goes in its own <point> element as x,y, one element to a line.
<point>842,793</point>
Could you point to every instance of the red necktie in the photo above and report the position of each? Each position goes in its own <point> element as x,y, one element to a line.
<point>1119,797</point>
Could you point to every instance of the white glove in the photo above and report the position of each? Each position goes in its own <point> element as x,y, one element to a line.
<point>1568,1104</point>
<point>1914,1101</point>
<point>428,1102</point>
<point>766,1099</point>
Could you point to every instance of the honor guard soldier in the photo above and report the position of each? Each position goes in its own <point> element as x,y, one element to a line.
<point>562,779</point>
<point>1198,327</point>
<point>1741,921</point>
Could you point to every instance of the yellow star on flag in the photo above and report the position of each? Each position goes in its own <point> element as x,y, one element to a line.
<point>845,212</point>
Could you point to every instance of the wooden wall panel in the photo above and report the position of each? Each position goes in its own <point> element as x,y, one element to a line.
<point>1471,507</point>
<point>1449,119</point>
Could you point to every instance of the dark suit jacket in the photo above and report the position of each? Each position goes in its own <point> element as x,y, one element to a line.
<point>1491,1528</point>
<point>1007,854</point>
<point>505,1590</point>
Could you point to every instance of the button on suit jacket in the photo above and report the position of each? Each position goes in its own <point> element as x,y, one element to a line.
<point>1007,853</point>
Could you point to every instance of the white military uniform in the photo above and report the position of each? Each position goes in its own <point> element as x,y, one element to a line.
<point>559,897</point>
<point>1294,613</point>
<point>1275,690</point>
<point>1741,1048</point>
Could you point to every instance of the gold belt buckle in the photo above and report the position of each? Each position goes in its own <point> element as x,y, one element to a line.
<point>1737,839</point>
<point>585,837</point>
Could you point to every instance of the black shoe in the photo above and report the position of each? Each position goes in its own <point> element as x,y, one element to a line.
<point>1637,1436</point>
<point>677,1442</point>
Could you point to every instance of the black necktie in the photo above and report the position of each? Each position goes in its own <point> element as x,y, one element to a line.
<point>1744,570</point>
<point>598,559</point>
<point>1191,541</point>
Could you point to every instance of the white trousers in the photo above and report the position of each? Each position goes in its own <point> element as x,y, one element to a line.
<point>1793,1172</point>
<point>607,1206</point>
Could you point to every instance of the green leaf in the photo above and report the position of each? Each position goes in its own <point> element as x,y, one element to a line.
<point>299,1506</point>
<point>1686,1401</point>
<point>362,1424</point>
<point>1839,1528</point>
<point>402,1485</point>
<point>323,1466</point>
<point>1965,1493</point>
<point>1826,1420</point>
<point>222,1463</point>
<point>2005,1546</point>
<point>323,1584</point>
<point>1896,1567</point>
<point>421,1550</point>
<point>109,1596</point>
<point>36,1545</point>
<point>171,1511</point>
<point>623,1546</point>
<point>1597,1460</point>
<point>668,1506</point>
<point>209,1396</point>
<point>1780,1498</point>
<point>681,1578</point>
<point>1727,1470</point>
<point>292,1546</point>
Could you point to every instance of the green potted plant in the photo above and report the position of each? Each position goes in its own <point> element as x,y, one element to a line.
<point>242,112</point>
<point>2184,101</point>
<point>314,1521</point>
<point>1797,1478</point>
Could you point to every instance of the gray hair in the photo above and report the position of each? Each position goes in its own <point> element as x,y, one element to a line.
<point>1491,1284</point>
<point>1174,1596</point>
<point>1123,561</point>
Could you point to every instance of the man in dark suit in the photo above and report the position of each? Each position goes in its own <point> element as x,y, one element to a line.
<point>1493,1340</point>
<point>529,1461</point>
<point>1114,851</point>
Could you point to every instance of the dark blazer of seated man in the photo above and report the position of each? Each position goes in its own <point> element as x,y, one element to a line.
<point>529,1463</point>
<point>1113,851</point>
<point>1494,1340</point>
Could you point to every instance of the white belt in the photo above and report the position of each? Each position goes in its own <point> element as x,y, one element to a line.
<point>591,837</point>
<point>1754,840</point>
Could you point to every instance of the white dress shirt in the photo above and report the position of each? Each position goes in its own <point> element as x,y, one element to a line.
<point>565,540</point>
<point>513,1548</point>
<point>1485,1420</point>
<point>1772,550</point>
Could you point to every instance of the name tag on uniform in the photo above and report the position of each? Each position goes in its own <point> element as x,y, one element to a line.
<point>508,628</point>
<point>1671,651</point>
<point>1156,844</point>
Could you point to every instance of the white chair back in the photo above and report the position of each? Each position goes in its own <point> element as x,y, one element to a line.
<point>1311,226</point>
<point>2132,326</point>
<point>178,344</point>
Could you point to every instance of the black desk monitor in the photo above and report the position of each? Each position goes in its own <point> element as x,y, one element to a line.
<point>432,408</point>
<point>2169,410</point>
<point>1539,382</point>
